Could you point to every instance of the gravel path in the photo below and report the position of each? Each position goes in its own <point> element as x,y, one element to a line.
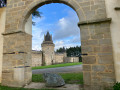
<point>68,69</point>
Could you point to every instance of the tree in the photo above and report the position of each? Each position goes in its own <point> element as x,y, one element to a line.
<point>36,14</point>
<point>2,3</point>
<point>71,52</point>
<point>61,50</point>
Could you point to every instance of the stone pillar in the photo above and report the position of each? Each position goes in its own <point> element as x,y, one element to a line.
<point>98,64</point>
<point>113,11</point>
<point>16,58</point>
<point>2,29</point>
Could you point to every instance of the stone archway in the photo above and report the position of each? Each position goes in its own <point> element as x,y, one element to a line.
<point>98,65</point>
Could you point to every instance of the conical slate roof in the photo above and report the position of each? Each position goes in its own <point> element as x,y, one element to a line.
<point>48,37</point>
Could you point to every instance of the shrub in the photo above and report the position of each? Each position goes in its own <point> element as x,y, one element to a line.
<point>117,86</point>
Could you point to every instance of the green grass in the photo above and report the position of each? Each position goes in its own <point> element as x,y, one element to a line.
<point>11,88</point>
<point>57,65</point>
<point>70,78</point>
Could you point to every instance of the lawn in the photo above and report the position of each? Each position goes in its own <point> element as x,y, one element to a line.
<point>57,65</point>
<point>70,78</point>
<point>11,88</point>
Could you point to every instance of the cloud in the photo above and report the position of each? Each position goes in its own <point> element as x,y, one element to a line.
<point>38,20</point>
<point>67,27</point>
<point>37,38</point>
<point>65,31</point>
<point>65,43</point>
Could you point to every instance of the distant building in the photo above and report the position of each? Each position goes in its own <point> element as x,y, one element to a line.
<point>48,56</point>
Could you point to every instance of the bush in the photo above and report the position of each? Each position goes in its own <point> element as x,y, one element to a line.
<point>117,86</point>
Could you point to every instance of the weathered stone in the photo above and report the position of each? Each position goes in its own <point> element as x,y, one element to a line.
<point>86,49</point>
<point>98,68</point>
<point>96,49</point>
<point>53,80</point>
<point>89,42</point>
<point>86,68</point>
<point>106,48</point>
<point>87,78</point>
<point>107,79</point>
<point>95,31</point>
<point>89,59</point>
<point>105,42</point>
<point>104,74</point>
<point>107,59</point>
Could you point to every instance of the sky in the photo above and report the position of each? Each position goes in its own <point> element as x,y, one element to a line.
<point>61,21</point>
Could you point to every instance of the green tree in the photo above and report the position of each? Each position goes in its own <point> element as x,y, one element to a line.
<point>71,52</point>
<point>61,50</point>
<point>36,14</point>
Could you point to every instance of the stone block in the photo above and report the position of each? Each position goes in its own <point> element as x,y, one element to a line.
<point>107,35</point>
<point>87,78</point>
<point>104,53</point>
<point>97,36</point>
<point>104,74</point>
<point>19,74</point>
<point>102,30</point>
<point>96,49</point>
<point>12,60</point>
<point>91,31</point>
<point>84,4</point>
<point>89,59</point>
<point>75,4</point>
<point>7,76</point>
<point>98,68</point>
<point>108,80</point>
<point>89,42</point>
<point>86,49</point>
<point>106,48</point>
<point>93,74</point>
<point>21,4</point>
<point>86,67</point>
<point>84,31</point>
<point>84,34</point>
<point>94,80</point>
<point>111,67</point>
<point>107,59</point>
<point>105,42</point>
<point>85,37</point>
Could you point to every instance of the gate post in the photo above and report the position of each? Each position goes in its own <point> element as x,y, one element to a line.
<point>98,64</point>
<point>16,71</point>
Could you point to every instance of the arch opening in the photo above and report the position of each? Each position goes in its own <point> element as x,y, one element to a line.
<point>58,56</point>
<point>34,6</point>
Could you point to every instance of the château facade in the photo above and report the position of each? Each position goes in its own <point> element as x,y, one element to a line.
<point>48,56</point>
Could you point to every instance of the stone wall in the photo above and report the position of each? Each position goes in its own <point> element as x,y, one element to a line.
<point>36,58</point>
<point>48,54</point>
<point>17,55</point>
<point>98,65</point>
<point>2,29</point>
<point>71,59</point>
<point>115,31</point>
<point>59,58</point>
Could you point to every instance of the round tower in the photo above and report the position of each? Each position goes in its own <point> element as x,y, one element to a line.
<point>48,50</point>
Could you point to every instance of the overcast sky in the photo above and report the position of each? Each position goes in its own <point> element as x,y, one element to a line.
<point>61,21</point>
